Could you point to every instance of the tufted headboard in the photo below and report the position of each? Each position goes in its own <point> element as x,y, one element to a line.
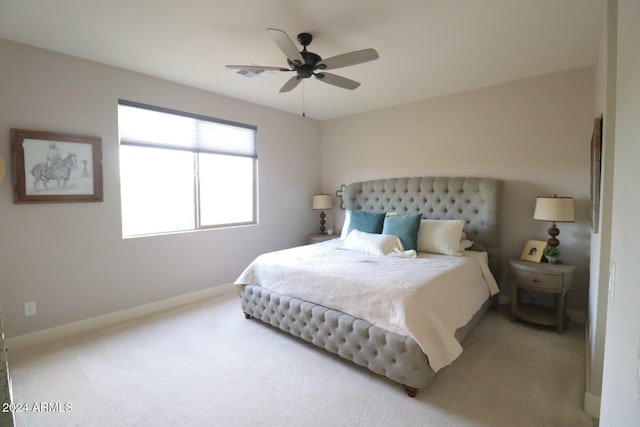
<point>476,200</point>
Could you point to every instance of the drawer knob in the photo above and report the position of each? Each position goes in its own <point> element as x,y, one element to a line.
<point>535,280</point>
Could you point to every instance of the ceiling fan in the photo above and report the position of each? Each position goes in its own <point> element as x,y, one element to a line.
<point>307,64</point>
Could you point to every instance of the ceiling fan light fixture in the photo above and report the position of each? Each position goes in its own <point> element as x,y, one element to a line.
<point>250,74</point>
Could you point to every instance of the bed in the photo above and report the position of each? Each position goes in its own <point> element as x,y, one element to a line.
<point>403,347</point>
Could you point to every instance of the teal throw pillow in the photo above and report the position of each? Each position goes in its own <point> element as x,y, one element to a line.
<point>405,227</point>
<point>367,222</point>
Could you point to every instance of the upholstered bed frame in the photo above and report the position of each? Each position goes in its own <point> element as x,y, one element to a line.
<point>397,357</point>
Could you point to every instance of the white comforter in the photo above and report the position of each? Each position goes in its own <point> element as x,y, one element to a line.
<point>426,298</point>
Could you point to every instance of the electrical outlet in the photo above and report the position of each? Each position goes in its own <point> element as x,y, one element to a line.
<point>30,308</point>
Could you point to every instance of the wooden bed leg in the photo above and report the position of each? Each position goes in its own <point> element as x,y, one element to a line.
<point>247,315</point>
<point>411,391</point>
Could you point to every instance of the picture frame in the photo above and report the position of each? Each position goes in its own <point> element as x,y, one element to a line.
<point>50,167</point>
<point>596,171</point>
<point>533,250</point>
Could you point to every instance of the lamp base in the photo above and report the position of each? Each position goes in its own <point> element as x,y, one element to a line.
<point>323,229</point>
<point>553,232</point>
<point>553,243</point>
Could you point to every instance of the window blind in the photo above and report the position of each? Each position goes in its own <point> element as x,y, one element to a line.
<point>149,126</point>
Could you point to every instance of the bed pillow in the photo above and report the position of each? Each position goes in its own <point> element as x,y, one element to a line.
<point>405,227</point>
<point>465,244</point>
<point>440,236</point>
<point>368,222</point>
<point>371,243</point>
<point>347,220</point>
<point>345,225</point>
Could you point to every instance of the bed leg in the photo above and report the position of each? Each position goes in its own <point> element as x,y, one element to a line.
<point>411,391</point>
<point>247,315</point>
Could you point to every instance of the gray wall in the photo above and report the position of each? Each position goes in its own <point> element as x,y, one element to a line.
<point>71,258</point>
<point>534,134</point>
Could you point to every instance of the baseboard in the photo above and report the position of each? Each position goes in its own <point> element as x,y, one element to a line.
<point>27,340</point>
<point>592,404</point>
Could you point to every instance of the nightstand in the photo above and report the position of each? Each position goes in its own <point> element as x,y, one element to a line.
<point>315,238</point>
<point>548,278</point>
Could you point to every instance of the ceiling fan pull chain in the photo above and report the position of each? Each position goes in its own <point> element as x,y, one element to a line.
<point>303,112</point>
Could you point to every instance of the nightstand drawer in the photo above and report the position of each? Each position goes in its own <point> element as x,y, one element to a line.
<point>537,280</point>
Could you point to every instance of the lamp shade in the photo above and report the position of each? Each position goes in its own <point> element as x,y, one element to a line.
<point>555,209</point>
<point>322,201</point>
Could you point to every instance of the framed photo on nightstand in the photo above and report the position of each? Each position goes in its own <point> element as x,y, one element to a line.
<point>533,250</point>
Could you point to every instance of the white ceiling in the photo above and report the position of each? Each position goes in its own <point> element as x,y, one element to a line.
<point>427,48</point>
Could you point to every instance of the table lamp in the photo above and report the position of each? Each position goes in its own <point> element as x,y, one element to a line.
<point>322,202</point>
<point>554,209</point>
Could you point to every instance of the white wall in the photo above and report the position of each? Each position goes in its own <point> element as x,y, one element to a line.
<point>534,134</point>
<point>621,383</point>
<point>70,258</point>
<point>601,241</point>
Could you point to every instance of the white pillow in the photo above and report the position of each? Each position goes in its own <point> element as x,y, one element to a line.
<point>345,224</point>
<point>372,244</point>
<point>440,236</point>
<point>465,244</point>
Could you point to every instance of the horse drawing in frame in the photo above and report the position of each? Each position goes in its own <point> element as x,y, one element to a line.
<point>60,171</point>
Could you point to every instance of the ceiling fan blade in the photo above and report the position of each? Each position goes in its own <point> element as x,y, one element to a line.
<point>339,81</point>
<point>346,59</point>
<point>256,68</point>
<point>290,84</point>
<point>286,45</point>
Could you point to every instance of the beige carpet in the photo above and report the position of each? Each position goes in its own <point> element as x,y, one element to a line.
<point>205,365</point>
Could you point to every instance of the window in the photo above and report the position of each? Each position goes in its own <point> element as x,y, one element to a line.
<point>181,171</point>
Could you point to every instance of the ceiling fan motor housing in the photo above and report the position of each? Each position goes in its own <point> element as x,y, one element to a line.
<point>306,70</point>
<point>310,59</point>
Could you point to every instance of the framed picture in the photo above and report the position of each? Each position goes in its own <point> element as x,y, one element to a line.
<point>596,169</point>
<point>53,167</point>
<point>533,250</point>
